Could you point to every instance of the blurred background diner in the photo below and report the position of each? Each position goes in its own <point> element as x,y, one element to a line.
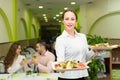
<point>14,62</point>
<point>43,57</point>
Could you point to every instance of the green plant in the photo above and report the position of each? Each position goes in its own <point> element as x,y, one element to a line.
<point>94,39</point>
<point>94,67</point>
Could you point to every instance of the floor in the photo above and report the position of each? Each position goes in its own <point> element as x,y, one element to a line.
<point>107,78</point>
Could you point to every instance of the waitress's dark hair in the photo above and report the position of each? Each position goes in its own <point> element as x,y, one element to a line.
<point>67,10</point>
<point>42,42</point>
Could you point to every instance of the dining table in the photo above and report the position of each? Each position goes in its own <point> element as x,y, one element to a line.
<point>33,76</point>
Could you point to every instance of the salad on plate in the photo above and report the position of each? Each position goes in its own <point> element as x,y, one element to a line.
<point>69,65</point>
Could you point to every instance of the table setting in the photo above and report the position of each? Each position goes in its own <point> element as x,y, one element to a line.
<point>32,76</point>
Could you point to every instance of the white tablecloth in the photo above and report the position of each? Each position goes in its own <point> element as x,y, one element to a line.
<point>40,76</point>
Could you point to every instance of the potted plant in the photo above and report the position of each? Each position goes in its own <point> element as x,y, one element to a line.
<point>95,65</point>
<point>94,39</point>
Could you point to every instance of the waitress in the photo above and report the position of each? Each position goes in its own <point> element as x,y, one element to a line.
<point>71,45</point>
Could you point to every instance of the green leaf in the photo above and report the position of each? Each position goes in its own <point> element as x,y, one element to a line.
<point>94,39</point>
<point>94,67</point>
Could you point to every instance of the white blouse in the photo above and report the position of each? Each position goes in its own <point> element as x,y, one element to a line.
<point>16,67</point>
<point>73,48</point>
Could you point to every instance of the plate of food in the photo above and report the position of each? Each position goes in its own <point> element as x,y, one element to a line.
<point>69,65</point>
<point>103,46</point>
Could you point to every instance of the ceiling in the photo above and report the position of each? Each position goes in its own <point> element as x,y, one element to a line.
<point>51,8</point>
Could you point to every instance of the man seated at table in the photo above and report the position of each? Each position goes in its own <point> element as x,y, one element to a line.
<point>43,58</point>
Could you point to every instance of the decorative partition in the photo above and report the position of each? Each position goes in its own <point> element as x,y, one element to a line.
<point>7,26</point>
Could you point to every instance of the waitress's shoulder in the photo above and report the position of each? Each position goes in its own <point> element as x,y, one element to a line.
<point>82,34</point>
<point>59,37</point>
<point>64,34</point>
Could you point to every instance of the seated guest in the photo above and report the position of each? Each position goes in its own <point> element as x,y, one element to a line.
<point>14,62</point>
<point>43,57</point>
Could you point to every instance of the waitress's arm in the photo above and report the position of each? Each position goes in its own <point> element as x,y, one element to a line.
<point>89,53</point>
<point>60,49</point>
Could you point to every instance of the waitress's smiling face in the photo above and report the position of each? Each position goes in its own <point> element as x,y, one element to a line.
<point>69,20</point>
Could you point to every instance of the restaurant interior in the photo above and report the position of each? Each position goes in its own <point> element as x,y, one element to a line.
<point>26,21</point>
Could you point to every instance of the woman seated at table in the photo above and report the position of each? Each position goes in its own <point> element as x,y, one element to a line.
<point>14,62</point>
<point>43,57</point>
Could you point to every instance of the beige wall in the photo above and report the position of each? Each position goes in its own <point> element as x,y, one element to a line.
<point>114,41</point>
<point>107,26</point>
<point>6,6</point>
<point>4,47</point>
<point>17,21</point>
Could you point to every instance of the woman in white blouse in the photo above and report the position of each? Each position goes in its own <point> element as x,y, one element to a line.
<point>71,45</point>
<point>14,61</point>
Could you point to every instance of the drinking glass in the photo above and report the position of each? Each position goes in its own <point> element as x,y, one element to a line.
<point>34,56</point>
<point>113,59</point>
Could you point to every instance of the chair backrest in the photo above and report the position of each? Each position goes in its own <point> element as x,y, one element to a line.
<point>31,50</point>
<point>26,54</point>
<point>2,66</point>
<point>2,57</point>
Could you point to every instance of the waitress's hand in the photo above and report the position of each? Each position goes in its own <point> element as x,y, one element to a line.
<point>97,50</point>
<point>23,62</point>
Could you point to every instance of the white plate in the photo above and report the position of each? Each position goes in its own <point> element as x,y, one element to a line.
<point>53,66</point>
<point>104,48</point>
